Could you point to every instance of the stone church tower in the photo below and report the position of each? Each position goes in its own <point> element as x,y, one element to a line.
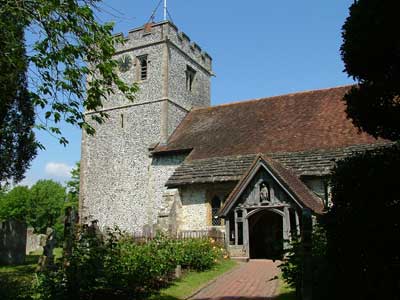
<point>121,184</point>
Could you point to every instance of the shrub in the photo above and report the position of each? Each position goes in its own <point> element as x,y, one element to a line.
<point>118,267</point>
<point>363,225</point>
<point>138,270</point>
<point>82,273</point>
<point>293,262</point>
<point>199,254</point>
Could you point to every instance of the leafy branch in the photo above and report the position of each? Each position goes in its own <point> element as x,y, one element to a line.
<point>72,69</point>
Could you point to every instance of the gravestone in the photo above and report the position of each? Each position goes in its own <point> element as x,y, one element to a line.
<point>46,261</point>
<point>33,240</point>
<point>12,242</point>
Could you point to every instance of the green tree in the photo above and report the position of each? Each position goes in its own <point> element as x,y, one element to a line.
<point>17,140</point>
<point>363,226</point>
<point>46,205</point>
<point>73,186</point>
<point>371,54</point>
<point>71,65</point>
<point>15,204</point>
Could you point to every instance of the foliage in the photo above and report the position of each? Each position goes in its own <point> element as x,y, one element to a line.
<point>16,281</point>
<point>79,272</point>
<point>46,204</point>
<point>41,206</point>
<point>17,140</point>
<point>71,70</point>
<point>370,51</point>
<point>73,186</point>
<point>292,265</point>
<point>15,204</point>
<point>69,46</point>
<point>363,227</point>
<point>199,254</point>
<point>286,292</point>
<point>141,269</point>
<point>115,265</point>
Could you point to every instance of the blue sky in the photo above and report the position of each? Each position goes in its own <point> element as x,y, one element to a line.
<point>259,48</point>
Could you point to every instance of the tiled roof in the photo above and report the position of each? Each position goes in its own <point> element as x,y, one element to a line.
<point>320,162</point>
<point>216,169</point>
<point>297,122</point>
<point>295,186</point>
<point>285,177</point>
<point>232,168</point>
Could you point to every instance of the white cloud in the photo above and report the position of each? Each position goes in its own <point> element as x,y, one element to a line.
<point>58,169</point>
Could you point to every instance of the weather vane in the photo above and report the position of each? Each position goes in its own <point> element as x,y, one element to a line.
<point>166,12</point>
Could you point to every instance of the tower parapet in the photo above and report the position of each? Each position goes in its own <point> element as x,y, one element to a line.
<point>154,33</point>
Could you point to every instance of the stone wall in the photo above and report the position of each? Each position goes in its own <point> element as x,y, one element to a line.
<point>237,251</point>
<point>115,168</point>
<point>168,220</point>
<point>195,211</point>
<point>175,116</point>
<point>149,89</point>
<point>161,168</point>
<point>199,96</point>
<point>12,242</point>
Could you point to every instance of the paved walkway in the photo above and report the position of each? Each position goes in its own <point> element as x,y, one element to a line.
<point>253,280</point>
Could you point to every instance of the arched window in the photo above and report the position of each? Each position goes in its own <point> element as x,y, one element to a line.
<point>215,206</point>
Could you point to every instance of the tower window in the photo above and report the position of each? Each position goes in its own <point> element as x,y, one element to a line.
<point>190,73</point>
<point>143,63</point>
<point>215,206</point>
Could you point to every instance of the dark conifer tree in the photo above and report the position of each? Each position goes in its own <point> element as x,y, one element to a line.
<point>17,118</point>
<point>371,54</point>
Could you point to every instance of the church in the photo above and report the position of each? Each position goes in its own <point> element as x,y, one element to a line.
<point>170,161</point>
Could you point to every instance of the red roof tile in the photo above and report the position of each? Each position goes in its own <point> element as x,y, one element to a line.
<point>288,123</point>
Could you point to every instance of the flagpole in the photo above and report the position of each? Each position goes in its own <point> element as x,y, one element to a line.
<point>165,10</point>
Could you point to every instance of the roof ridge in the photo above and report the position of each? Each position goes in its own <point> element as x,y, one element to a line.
<point>377,144</point>
<point>239,102</point>
<point>222,157</point>
<point>273,155</point>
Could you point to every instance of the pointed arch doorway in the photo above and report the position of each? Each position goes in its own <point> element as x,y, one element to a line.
<point>265,235</point>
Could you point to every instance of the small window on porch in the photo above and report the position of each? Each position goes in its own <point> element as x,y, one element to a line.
<point>215,206</point>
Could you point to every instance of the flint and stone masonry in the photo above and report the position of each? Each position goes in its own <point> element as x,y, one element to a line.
<point>121,184</point>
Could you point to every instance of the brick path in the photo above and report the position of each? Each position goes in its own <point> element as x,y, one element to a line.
<point>252,280</point>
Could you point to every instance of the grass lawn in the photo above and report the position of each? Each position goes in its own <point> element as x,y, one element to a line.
<point>192,281</point>
<point>16,281</point>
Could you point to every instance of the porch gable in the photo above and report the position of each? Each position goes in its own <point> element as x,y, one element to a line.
<point>267,183</point>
